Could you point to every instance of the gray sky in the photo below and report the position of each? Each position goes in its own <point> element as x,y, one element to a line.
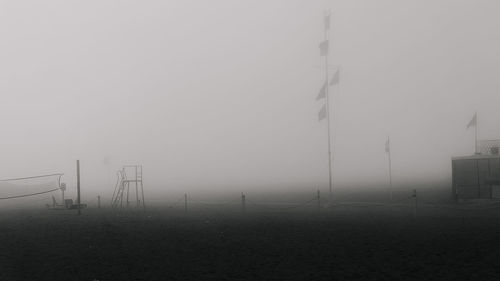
<point>221,94</point>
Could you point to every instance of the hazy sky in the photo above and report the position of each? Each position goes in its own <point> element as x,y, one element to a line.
<point>221,93</point>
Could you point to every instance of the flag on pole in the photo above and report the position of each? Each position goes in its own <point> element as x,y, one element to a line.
<point>323,48</point>
<point>106,160</point>
<point>327,21</point>
<point>322,92</point>
<point>322,113</point>
<point>387,146</point>
<point>473,121</point>
<point>336,78</point>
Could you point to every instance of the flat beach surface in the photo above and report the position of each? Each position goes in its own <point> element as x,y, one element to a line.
<point>328,244</point>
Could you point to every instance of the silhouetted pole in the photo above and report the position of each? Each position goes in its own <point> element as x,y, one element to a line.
<point>63,188</point>
<point>185,202</point>
<point>330,164</point>
<point>128,191</point>
<point>415,206</point>
<point>98,201</point>
<point>138,201</point>
<point>319,200</point>
<point>78,186</point>
<point>388,150</point>
<point>476,151</point>
<point>243,207</point>
<point>142,192</point>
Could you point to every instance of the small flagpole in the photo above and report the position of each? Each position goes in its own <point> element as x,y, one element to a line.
<point>390,167</point>
<point>330,164</point>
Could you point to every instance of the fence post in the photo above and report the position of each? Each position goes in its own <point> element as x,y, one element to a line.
<point>98,201</point>
<point>415,206</point>
<point>319,200</point>
<point>185,202</point>
<point>243,207</point>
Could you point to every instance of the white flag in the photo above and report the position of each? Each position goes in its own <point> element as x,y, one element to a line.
<point>387,146</point>
<point>473,121</point>
<point>322,92</point>
<point>323,48</point>
<point>327,22</point>
<point>322,113</point>
<point>336,78</point>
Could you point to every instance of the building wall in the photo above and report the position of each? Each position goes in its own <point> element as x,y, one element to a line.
<point>472,177</point>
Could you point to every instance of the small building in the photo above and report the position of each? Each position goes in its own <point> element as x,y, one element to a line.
<point>477,176</point>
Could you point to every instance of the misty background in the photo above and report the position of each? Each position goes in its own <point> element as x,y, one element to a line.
<point>220,95</point>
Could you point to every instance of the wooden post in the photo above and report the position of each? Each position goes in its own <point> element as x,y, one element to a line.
<point>98,201</point>
<point>415,207</point>
<point>388,150</point>
<point>243,207</point>
<point>319,200</point>
<point>478,179</point>
<point>78,186</point>
<point>185,202</point>
<point>137,200</point>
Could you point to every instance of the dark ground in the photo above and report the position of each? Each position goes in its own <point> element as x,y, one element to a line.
<point>331,244</point>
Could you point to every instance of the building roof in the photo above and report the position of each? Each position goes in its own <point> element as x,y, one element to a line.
<point>477,156</point>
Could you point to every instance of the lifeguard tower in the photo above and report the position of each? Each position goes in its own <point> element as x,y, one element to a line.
<point>127,176</point>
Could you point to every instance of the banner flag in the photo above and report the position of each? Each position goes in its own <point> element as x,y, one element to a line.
<point>327,22</point>
<point>336,78</point>
<point>473,121</point>
<point>322,93</point>
<point>323,48</point>
<point>322,113</point>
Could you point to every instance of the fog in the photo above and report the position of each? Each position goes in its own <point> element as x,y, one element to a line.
<point>220,95</point>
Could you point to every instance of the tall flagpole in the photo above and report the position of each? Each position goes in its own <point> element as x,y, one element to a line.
<point>330,164</point>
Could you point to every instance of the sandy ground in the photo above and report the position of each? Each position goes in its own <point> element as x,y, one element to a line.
<point>343,243</point>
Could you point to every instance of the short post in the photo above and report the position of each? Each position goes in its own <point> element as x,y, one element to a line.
<point>185,202</point>
<point>415,206</point>
<point>78,186</point>
<point>243,207</point>
<point>98,201</point>
<point>63,188</point>
<point>319,200</point>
